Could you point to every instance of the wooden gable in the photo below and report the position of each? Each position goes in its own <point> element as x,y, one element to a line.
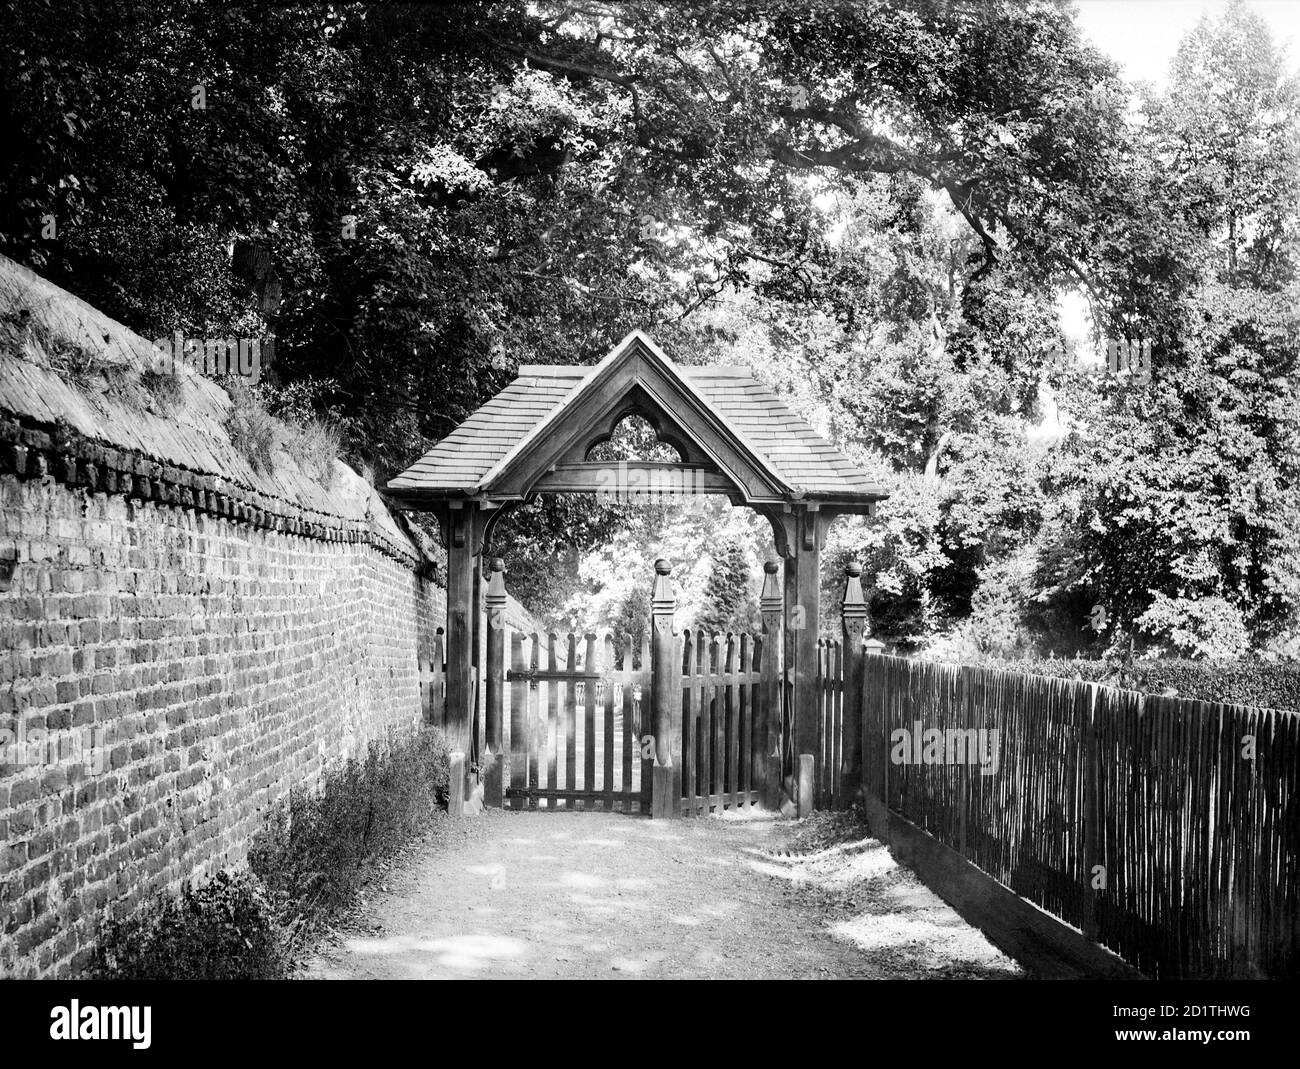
<point>734,435</point>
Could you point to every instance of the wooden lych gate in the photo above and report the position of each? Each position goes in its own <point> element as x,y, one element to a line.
<point>567,720</point>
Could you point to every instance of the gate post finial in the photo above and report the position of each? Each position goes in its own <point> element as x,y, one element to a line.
<point>853,609</point>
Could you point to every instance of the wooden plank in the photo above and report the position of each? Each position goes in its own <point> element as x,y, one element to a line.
<point>518,717</point>
<point>536,716</point>
<point>569,704</point>
<point>557,794</point>
<point>704,742</point>
<point>607,696</point>
<point>1048,948</point>
<point>718,767</point>
<point>690,710</point>
<point>745,711</point>
<point>553,714</point>
<point>589,718</point>
<point>629,741</point>
<point>732,779</point>
<point>643,720</point>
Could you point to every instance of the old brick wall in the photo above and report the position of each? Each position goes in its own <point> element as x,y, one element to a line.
<point>191,669</point>
<point>186,634</point>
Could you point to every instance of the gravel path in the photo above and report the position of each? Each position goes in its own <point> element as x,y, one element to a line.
<point>536,895</point>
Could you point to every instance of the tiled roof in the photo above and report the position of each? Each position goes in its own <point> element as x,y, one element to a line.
<point>797,453</point>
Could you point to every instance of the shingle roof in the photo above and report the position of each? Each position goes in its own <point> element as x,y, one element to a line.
<point>804,460</point>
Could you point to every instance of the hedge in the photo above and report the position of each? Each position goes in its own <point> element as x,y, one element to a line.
<point>1265,684</point>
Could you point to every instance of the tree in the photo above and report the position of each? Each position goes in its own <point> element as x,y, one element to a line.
<point>727,591</point>
<point>1187,489</point>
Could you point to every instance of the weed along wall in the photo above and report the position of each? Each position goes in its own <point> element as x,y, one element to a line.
<point>187,634</point>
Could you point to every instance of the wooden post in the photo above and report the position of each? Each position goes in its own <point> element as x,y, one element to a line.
<point>663,653</point>
<point>458,720</point>
<point>804,784</point>
<point>875,753</point>
<point>456,785</point>
<point>803,607</point>
<point>494,751</point>
<point>772,607</point>
<point>853,618</point>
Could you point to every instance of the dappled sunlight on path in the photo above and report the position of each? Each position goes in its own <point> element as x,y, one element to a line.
<point>573,895</point>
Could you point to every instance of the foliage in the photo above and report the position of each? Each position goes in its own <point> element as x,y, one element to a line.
<point>727,592</point>
<point>1263,684</point>
<point>879,207</point>
<point>316,849</point>
<point>224,929</point>
<point>313,442</point>
<point>304,867</point>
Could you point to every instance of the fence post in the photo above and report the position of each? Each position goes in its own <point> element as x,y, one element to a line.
<point>493,756</point>
<point>456,784</point>
<point>873,721</point>
<point>772,607</point>
<point>663,652</point>
<point>853,617</point>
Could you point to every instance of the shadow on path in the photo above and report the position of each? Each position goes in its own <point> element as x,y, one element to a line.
<point>600,895</point>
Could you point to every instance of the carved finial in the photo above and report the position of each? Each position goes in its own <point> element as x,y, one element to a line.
<point>498,565</point>
<point>853,609</point>
<point>771,601</point>
<point>663,601</point>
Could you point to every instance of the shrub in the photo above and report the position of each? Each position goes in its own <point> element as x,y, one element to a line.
<point>304,867</point>
<point>313,851</point>
<point>1196,627</point>
<point>1265,684</point>
<point>225,929</point>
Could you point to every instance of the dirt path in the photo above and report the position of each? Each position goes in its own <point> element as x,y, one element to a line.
<point>576,895</point>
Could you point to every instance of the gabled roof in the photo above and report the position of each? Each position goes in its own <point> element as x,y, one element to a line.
<point>731,421</point>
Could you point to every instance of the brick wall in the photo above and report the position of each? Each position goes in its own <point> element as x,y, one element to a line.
<point>192,669</point>
<point>186,634</point>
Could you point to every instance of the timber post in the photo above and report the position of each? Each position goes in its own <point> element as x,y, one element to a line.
<point>663,689</point>
<point>772,608</point>
<point>853,618</point>
<point>805,525</point>
<point>494,755</point>
<point>875,752</point>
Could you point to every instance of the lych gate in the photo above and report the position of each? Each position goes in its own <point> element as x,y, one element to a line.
<point>734,437</point>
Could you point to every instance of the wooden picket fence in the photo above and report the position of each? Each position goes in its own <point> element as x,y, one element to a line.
<point>1140,820</point>
<point>572,723</point>
<point>719,746</point>
<point>830,785</point>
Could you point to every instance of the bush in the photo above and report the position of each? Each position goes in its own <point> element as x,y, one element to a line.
<point>225,929</point>
<point>313,851</point>
<point>1265,684</point>
<point>304,867</point>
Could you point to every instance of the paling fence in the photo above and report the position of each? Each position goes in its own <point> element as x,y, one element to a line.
<point>829,783</point>
<point>721,740</point>
<point>1165,829</point>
